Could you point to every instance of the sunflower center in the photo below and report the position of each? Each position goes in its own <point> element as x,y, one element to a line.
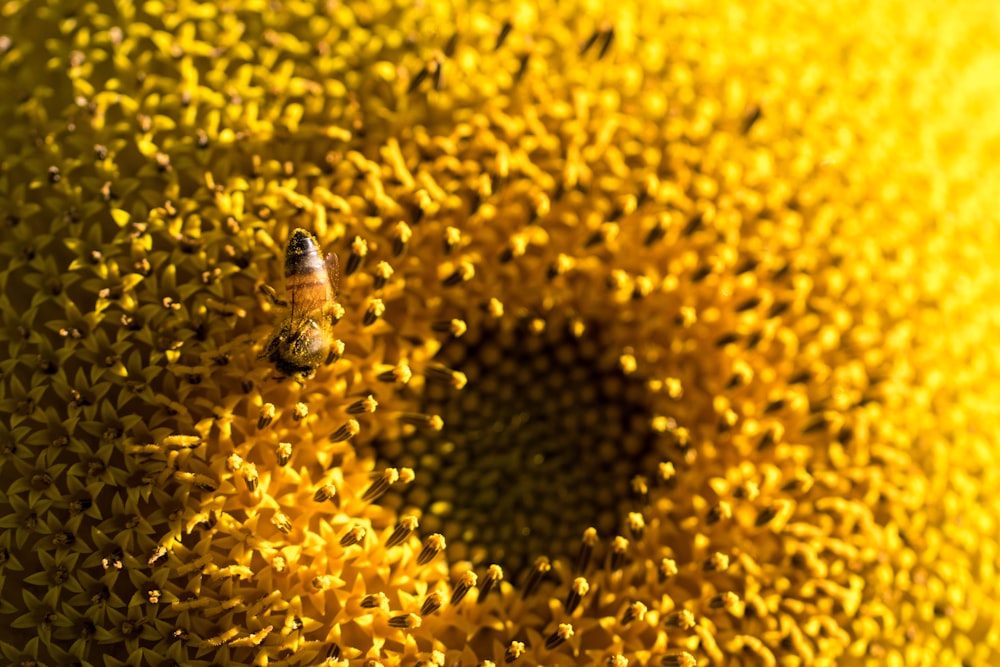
<point>542,443</point>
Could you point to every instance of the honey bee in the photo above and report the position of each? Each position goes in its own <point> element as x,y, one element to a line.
<point>304,339</point>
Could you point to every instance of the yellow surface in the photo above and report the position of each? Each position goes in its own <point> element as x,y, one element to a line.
<point>740,262</point>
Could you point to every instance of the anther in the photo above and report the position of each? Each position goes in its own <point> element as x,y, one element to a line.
<point>401,235</point>
<point>606,233</point>
<point>586,550</point>
<point>522,66</point>
<point>266,416</point>
<point>728,601</point>
<point>434,545</point>
<point>417,79</point>
<point>431,604</point>
<point>562,633</point>
<point>658,231</point>
<point>383,272</point>
<point>452,238</point>
<point>590,42</point>
<point>769,513</point>
<point>717,562</point>
<point>751,117</point>
<point>681,659</point>
<point>250,477</point>
<point>400,374</point>
<point>375,310</point>
<point>336,346</point>
<point>619,548</point>
<point>456,328</point>
<point>375,601</point>
<point>682,619</point>
<point>436,68</point>
<point>284,453</point>
<point>462,273</point>
<point>465,582</point>
<point>504,32</point>
<point>718,512</point>
<point>365,405</point>
<point>346,432</point>
<point>494,574</point>
<point>816,423</point>
<point>562,265</point>
<point>359,249</point>
<point>449,51</point>
<point>324,493</point>
<point>456,379</point>
<point>403,529</point>
<point>608,38</point>
<point>577,590</point>
<point>355,535</point>
<point>405,622</point>
<point>381,484</point>
<point>636,524</point>
<point>537,573</point>
<point>693,225</point>
<point>643,287</point>
<point>282,522</point>
<point>748,489</point>
<point>432,422</point>
<point>513,652</point>
<point>517,247</point>
<point>800,483</point>
<point>494,308</point>
<point>636,611</point>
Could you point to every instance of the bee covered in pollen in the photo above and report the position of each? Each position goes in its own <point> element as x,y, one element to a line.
<point>304,339</point>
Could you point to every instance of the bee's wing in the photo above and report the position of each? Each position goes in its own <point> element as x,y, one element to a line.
<point>304,304</point>
<point>333,270</point>
<point>307,302</point>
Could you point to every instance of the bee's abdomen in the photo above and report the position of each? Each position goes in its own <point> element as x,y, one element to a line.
<point>306,278</point>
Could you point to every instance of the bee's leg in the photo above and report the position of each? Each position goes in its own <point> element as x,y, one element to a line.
<point>272,296</point>
<point>269,347</point>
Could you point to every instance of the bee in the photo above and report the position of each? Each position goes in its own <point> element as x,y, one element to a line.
<point>304,339</point>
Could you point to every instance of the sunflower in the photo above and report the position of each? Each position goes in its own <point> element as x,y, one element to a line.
<point>665,334</point>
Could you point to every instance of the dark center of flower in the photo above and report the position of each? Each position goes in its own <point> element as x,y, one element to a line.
<point>542,443</point>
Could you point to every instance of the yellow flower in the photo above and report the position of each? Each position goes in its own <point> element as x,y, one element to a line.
<point>666,334</point>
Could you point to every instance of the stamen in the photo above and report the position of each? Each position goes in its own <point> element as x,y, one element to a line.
<point>494,574</point>
<point>403,530</point>
<point>355,535</point>
<point>465,583</point>
<point>434,545</point>
<point>577,590</point>
<point>535,575</point>
<point>562,633</point>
